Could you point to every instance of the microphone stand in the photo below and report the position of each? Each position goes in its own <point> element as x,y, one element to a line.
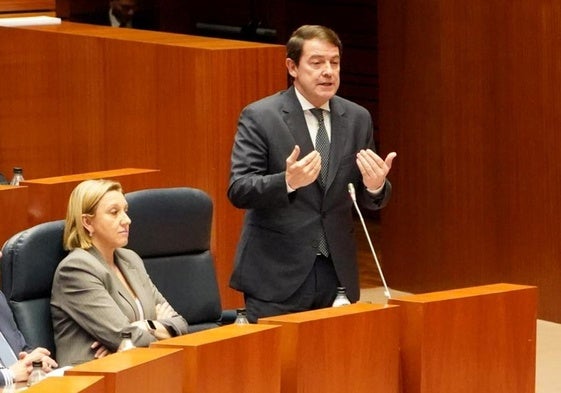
<point>352,193</point>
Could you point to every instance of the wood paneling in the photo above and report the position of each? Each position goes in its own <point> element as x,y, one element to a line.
<point>230,358</point>
<point>14,201</point>
<point>26,5</point>
<point>67,384</point>
<point>354,348</point>
<point>469,99</point>
<point>479,339</point>
<point>81,98</point>
<point>46,196</point>
<point>137,370</point>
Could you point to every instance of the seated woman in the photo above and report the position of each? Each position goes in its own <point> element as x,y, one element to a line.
<point>102,289</point>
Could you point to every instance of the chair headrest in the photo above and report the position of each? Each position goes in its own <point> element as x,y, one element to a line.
<point>182,215</point>
<point>30,259</point>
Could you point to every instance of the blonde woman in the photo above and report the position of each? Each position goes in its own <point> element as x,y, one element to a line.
<point>102,289</point>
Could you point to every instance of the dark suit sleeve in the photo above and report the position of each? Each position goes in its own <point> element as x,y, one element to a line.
<point>376,201</point>
<point>257,177</point>
<point>9,328</point>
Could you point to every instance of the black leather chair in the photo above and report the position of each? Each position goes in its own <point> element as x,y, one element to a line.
<point>29,260</point>
<point>171,230</point>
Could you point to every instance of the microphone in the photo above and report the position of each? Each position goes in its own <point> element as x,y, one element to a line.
<point>352,193</point>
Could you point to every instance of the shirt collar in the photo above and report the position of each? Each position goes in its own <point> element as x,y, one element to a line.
<point>306,105</point>
<point>115,22</point>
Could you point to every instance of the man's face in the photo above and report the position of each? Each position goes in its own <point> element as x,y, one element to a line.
<point>317,74</point>
<point>124,9</point>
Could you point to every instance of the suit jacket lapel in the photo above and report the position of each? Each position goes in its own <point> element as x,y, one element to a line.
<point>339,137</point>
<point>132,276</point>
<point>125,267</point>
<point>296,122</point>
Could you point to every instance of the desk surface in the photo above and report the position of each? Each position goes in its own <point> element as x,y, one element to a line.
<point>185,40</point>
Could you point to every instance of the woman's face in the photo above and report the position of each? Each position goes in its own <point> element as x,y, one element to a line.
<point>109,225</point>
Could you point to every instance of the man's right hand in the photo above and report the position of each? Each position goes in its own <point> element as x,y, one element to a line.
<point>300,173</point>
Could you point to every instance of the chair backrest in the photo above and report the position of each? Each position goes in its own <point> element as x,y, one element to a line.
<point>29,260</point>
<point>171,230</point>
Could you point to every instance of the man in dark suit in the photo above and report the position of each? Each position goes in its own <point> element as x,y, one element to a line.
<point>22,355</point>
<point>298,243</point>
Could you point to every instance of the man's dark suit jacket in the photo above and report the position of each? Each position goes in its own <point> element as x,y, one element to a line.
<point>10,331</point>
<point>279,240</point>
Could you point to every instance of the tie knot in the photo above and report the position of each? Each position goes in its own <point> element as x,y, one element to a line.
<point>318,113</point>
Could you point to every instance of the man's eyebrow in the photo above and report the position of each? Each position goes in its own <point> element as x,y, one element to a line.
<point>324,56</point>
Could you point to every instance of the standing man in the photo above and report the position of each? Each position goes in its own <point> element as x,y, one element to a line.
<point>294,155</point>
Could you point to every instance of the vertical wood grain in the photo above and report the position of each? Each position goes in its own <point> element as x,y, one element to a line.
<point>27,5</point>
<point>476,339</point>
<point>469,99</point>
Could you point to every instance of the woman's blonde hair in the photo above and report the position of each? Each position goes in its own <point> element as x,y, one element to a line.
<point>84,200</point>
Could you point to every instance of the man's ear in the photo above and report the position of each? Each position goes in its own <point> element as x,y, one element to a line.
<point>291,67</point>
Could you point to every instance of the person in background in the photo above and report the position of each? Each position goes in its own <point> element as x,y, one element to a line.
<point>121,12</point>
<point>298,243</point>
<point>21,356</point>
<point>101,289</point>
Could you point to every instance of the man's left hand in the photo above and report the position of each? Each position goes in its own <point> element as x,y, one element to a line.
<point>373,168</point>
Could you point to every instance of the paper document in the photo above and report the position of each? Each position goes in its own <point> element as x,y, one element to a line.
<point>29,21</point>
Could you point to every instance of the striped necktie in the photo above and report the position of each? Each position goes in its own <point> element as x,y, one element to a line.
<point>322,144</point>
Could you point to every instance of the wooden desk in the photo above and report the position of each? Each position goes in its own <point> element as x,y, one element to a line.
<point>48,197</point>
<point>480,339</point>
<point>116,98</point>
<point>137,370</point>
<point>15,6</point>
<point>353,348</point>
<point>13,205</point>
<point>70,384</point>
<point>230,359</point>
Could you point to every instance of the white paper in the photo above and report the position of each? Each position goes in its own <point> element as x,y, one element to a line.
<point>29,21</point>
<point>58,372</point>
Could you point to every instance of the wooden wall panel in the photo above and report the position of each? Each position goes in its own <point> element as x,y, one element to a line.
<point>46,196</point>
<point>469,99</point>
<point>13,201</point>
<point>80,98</point>
<point>26,5</point>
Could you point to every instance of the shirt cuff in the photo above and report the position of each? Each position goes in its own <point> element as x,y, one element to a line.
<point>289,189</point>
<point>376,191</point>
<point>8,376</point>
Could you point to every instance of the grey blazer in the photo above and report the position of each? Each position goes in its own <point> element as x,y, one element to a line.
<point>278,244</point>
<point>89,303</point>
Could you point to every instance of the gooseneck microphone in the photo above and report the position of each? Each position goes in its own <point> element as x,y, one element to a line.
<point>352,193</point>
